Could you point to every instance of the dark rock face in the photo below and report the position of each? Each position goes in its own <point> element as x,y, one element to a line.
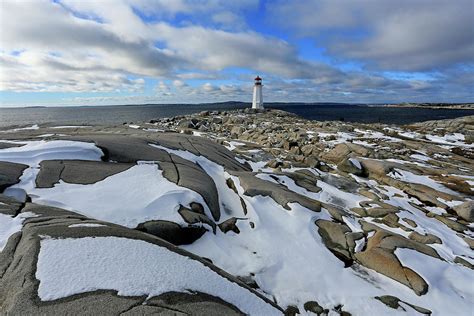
<point>9,205</point>
<point>76,171</point>
<point>315,308</point>
<point>9,145</point>
<point>172,232</point>
<point>196,217</point>
<point>229,225</point>
<point>10,173</point>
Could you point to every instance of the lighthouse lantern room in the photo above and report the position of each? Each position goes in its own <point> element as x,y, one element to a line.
<point>257,102</point>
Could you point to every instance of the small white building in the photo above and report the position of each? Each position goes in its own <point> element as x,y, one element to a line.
<point>257,102</point>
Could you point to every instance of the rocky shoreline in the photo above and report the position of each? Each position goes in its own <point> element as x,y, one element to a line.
<point>453,106</point>
<point>302,216</point>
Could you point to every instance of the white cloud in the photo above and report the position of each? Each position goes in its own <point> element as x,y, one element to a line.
<point>179,83</point>
<point>107,46</point>
<point>79,43</point>
<point>397,35</point>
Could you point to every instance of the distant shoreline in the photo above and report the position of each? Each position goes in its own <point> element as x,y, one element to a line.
<point>445,106</point>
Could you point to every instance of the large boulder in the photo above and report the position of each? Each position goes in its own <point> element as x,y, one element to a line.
<point>339,239</point>
<point>342,151</point>
<point>465,210</point>
<point>351,165</point>
<point>379,255</point>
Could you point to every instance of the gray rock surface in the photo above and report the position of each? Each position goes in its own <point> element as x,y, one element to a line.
<point>18,285</point>
<point>172,232</point>
<point>316,156</point>
<point>10,173</point>
<point>255,186</point>
<point>465,210</point>
<point>76,171</point>
<point>175,169</point>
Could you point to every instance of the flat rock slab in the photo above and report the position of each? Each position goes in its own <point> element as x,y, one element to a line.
<point>10,174</point>
<point>254,186</point>
<point>128,149</point>
<point>9,145</point>
<point>201,147</point>
<point>19,285</point>
<point>76,171</point>
<point>9,205</point>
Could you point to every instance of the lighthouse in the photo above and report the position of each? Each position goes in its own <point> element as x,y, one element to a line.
<point>257,102</point>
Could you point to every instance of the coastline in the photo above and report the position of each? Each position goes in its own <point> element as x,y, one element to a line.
<point>234,194</point>
<point>463,106</point>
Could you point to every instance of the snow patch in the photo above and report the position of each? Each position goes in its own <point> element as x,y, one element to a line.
<point>134,196</point>
<point>86,225</point>
<point>111,263</point>
<point>10,225</point>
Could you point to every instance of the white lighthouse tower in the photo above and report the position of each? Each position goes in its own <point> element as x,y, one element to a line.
<point>257,102</point>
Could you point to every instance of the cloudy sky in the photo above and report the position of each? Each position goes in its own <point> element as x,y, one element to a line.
<point>67,52</point>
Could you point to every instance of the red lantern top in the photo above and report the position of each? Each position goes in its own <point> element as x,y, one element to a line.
<point>258,78</point>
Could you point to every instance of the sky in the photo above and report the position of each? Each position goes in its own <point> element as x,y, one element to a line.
<point>65,52</point>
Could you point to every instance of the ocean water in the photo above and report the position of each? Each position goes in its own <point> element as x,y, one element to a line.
<point>105,115</point>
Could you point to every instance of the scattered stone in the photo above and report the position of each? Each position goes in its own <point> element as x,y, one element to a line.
<point>394,302</point>
<point>464,262</point>
<point>314,307</point>
<point>229,225</point>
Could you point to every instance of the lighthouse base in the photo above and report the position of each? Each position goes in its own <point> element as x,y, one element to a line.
<point>257,102</point>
